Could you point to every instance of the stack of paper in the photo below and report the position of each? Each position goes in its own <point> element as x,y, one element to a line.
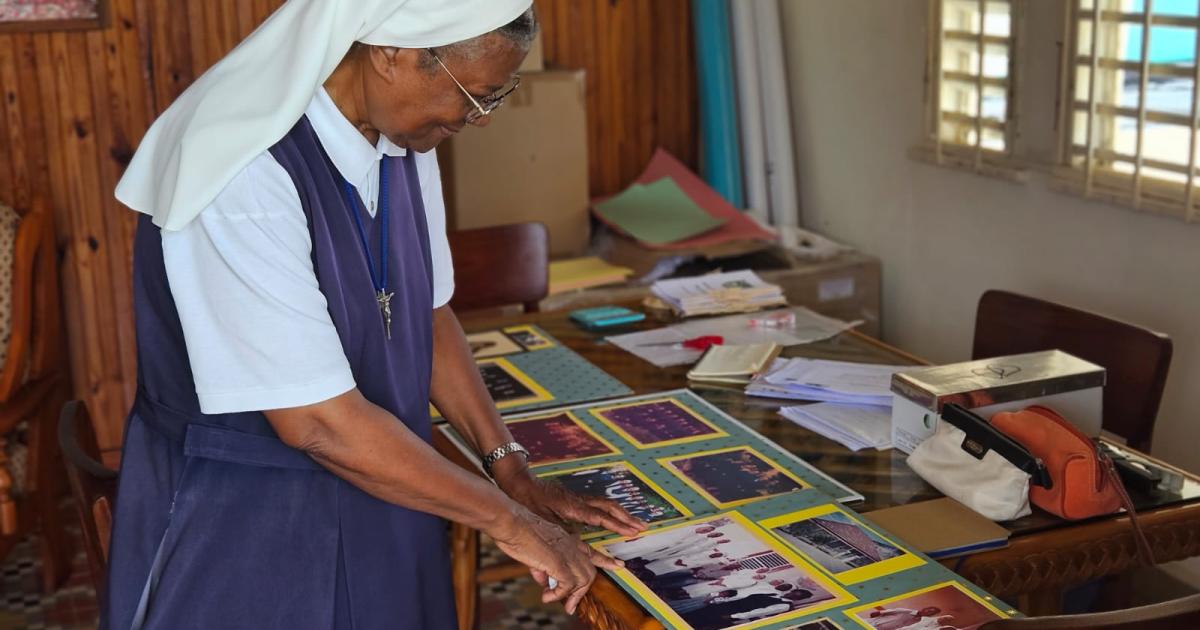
<point>584,273</point>
<point>829,381</point>
<point>735,365</point>
<point>734,292</point>
<point>854,426</point>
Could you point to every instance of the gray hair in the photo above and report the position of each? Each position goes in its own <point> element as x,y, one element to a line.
<point>520,32</point>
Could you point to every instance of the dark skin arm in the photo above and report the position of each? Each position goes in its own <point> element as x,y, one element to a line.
<point>458,391</point>
<point>369,448</point>
<point>366,445</point>
<point>460,395</point>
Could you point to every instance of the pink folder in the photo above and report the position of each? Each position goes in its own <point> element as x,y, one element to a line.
<point>739,228</point>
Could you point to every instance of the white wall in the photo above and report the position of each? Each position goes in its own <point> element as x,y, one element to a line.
<point>945,236</point>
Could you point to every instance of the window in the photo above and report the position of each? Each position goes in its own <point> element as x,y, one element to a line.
<point>1131,104</point>
<point>970,80</point>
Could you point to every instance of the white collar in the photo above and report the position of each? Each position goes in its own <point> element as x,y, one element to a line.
<point>351,153</point>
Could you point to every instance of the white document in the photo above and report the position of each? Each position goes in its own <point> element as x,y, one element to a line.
<point>734,329</point>
<point>855,426</point>
<point>660,346</point>
<point>829,381</point>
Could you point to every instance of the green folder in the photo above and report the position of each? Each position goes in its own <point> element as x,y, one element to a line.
<point>657,213</point>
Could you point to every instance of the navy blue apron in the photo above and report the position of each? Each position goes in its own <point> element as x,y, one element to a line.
<point>218,523</point>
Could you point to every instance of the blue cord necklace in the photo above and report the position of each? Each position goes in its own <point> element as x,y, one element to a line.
<point>379,280</point>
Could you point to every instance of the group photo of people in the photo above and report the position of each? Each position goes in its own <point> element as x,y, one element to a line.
<point>716,574</point>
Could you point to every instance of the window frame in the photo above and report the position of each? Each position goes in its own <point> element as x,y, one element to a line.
<point>972,157</point>
<point>1092,179</point>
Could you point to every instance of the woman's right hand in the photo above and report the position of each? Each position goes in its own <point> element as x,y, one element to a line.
<point>550,551</point>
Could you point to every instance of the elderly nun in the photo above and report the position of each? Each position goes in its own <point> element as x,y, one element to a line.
<point>292,275</point>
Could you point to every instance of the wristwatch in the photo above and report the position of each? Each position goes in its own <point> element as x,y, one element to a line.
<point>500,453</point>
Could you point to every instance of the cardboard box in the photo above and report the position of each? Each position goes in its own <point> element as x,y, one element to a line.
<point>535,61</point>
<point>530,163</point>
<point>846,287</point>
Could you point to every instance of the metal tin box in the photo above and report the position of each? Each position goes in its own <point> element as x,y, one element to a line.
<point>1071,386</point>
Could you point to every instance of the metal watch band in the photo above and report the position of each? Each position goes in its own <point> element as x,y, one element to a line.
<point>500,452</point>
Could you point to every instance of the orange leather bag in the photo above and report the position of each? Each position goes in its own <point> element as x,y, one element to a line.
<point>1084,484</point>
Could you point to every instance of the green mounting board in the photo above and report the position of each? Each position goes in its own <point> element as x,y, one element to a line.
<point>678,462</point>
<point>524,368</point>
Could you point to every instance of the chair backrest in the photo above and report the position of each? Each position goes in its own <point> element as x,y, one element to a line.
<point>501,265</point>
<point>1179,613</point>
<point>1137,359</point>
<point>35,348</point>
<point>93,485</point>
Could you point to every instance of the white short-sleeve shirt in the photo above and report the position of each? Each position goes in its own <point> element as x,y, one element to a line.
<point>257,327</point>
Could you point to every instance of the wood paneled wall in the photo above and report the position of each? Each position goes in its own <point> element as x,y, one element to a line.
<point>74,105</point>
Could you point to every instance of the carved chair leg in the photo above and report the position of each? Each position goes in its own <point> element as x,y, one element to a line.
<point>464,561</point>
<point>8,506</point>
<point>50,479</point>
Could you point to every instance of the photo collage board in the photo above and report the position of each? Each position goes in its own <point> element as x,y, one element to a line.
<point>743,534</point>
<point>524,368</point>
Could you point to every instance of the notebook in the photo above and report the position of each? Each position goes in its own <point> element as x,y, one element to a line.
<point>941,528</point>
<point>736,364</point>
<point>584,273</point>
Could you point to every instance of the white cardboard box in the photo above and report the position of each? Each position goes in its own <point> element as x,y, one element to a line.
<point>1069,385</point>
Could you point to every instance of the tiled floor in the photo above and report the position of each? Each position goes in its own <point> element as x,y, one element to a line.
<point>511,605</point>
<point>22,604</point>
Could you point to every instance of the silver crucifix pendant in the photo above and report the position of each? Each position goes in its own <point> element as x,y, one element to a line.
<point>385,306</point>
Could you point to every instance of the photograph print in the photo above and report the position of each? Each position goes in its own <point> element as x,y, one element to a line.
<point>733,476</point>
<point>946,606</point>
<point>721,572</point>
<point>652,423</point>
<point>841,544</point>
<point>510,387</point>
<point>529,337</point>
<point>558,437</point>
<point>626,485</point>
<point>491,344</point>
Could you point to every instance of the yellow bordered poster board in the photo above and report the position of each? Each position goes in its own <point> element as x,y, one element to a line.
<point>818,562</point>
<point>525,368</point>
<point>799,557</point>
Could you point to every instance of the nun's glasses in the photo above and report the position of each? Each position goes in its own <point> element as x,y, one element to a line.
<point>483,106</point>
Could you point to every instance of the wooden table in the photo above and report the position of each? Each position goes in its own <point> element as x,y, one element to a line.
<point>1046,554</point>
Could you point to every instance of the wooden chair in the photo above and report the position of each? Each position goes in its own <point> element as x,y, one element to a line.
<point>501,265</point>
<point>33,386</point>
<point>1137,359</point>
<point>93,486</point>
<point>493,266</point>
<point>1179,613</point>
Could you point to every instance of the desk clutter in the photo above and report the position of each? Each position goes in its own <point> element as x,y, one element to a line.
<point>718,293</point>
<point>743,533</point>
<point>664,347</point>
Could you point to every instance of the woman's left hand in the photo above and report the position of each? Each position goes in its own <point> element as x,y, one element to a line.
<point>555,503</point>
